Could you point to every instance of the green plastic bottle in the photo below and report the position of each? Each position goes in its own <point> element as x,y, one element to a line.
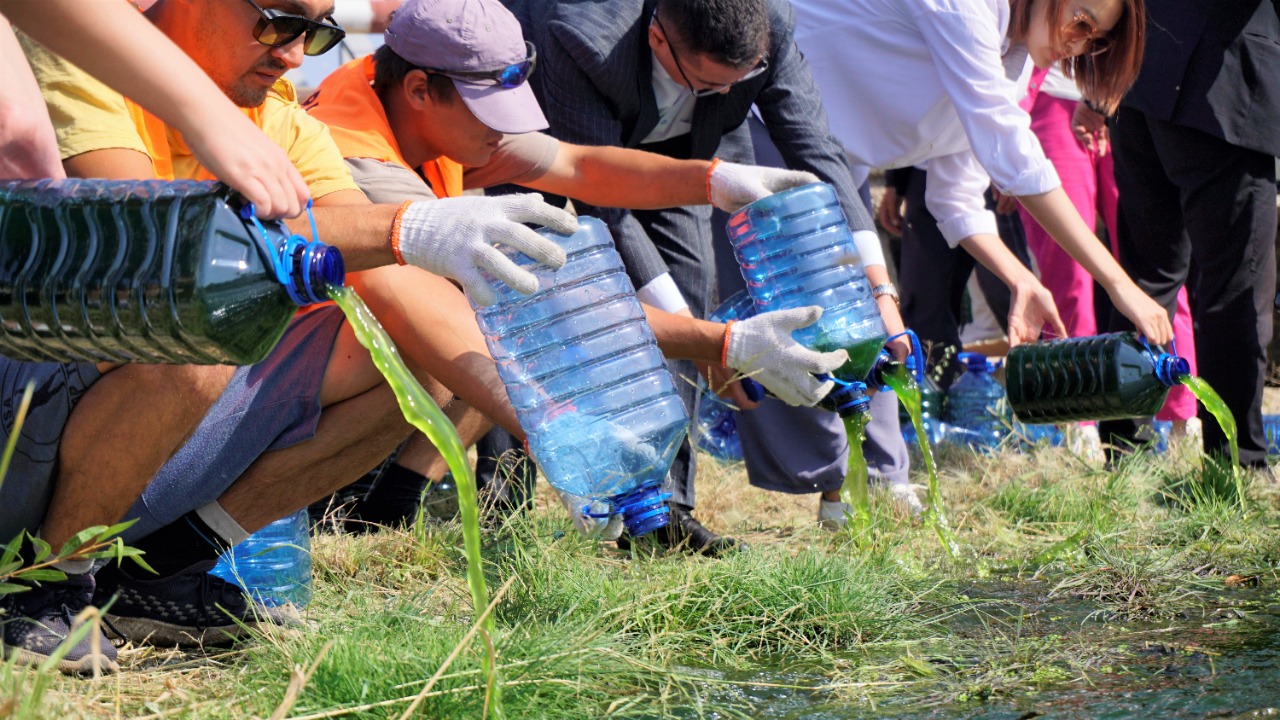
<point>148,271</point>
<point>1101,377</point>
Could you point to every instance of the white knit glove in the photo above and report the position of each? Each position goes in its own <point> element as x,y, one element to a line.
<point>454,237</point>
<point>732,186</point>
<point>762,347</point>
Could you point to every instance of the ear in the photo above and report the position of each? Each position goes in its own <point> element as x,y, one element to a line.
<point>656,38</point>
<point>414,87</point>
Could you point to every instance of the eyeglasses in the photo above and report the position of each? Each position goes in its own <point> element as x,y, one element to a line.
<point>276,28</point>
<point>511,76</point>
<point>1084,27</point>
<point>717,89</point>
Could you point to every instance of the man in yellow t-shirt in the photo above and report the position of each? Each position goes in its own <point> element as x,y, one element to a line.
<point>315,414</point>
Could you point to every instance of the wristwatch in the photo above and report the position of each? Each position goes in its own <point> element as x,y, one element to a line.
<point>886,289</point>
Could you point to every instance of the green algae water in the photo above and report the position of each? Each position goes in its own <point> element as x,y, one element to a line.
<point>423,413</point>
<point>904,386</point>
<point>854,490</point>
<point>1214,403</point>
<point>862,356</point>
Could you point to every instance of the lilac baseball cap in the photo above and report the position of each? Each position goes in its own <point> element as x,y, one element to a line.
<point>465,36</point>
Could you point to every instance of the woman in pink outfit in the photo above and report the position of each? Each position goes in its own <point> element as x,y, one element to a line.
<point>1084,166</point>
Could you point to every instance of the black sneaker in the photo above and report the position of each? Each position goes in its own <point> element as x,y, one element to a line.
<point>685,533</point>
<point>188,609</point>
<point>36,621</point>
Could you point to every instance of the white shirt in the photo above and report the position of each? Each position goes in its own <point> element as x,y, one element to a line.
<point>675,105</point>
<point>924,82</point>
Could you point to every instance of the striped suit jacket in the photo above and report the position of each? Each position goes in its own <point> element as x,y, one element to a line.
<point>593,80</point>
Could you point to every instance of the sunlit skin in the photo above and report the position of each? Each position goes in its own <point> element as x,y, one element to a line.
<point>428,128</point>
<point>703,73</point>
<point>221,41</point>
<point>1105,14</point>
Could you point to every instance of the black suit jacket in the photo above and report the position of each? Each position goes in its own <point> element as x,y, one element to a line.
<point>594,83</point>
<point>1214,65</point>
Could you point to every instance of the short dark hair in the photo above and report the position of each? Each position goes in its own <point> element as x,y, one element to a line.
<point>389,70</point>
<point>731,32</point>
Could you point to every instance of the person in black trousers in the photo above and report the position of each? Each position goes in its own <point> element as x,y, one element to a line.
<point>1194,142</point>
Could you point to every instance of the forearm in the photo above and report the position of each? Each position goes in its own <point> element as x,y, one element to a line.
<point>1059,217</point>
<point>996,257</point>
<point>624,178</point>
<point>685,338</point>
<point>349,222</point>
<point>28,148</point>
<point>180,95</point>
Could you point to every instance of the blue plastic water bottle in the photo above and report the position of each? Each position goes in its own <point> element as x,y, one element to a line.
<point>1271,426</point>
<point>788,246</point>
<point>587,380</point>
<point>717,428</point>
<point>273,565</point>
<point>977,412</point>
<point>148,271</point>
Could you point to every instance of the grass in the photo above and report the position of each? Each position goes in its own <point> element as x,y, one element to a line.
<point>1067,575</point>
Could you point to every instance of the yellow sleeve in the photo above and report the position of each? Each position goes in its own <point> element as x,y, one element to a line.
<point>307,141</point>
<point>87,115</point>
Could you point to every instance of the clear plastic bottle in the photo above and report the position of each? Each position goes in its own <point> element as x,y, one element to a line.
<point>587,381</point>
<point>273,565</point>
<point>717,427</point>
<point>148,271</point>
<point>977,412</point>
<point>789,246</point>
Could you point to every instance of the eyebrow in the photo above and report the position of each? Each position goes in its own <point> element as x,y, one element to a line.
<point>298,8</point>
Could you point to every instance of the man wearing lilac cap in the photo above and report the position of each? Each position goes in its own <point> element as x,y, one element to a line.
<point>396,118</point>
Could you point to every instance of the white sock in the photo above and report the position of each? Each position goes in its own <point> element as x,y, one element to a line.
<point>219,521</point>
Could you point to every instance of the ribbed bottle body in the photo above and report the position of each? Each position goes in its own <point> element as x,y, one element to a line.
<point>136,271</point>
<point>1101,377</point>
<point>584,373</point>
<point>790,247</point>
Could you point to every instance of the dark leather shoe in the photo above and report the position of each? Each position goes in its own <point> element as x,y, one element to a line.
<point>685,533</point>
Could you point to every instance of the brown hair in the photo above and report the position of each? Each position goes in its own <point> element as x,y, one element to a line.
<point>1102,79</point>
<point>389,70</point>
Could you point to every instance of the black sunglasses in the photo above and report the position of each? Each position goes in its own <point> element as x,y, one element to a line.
<point>276,28</point>
<point>511,76</point>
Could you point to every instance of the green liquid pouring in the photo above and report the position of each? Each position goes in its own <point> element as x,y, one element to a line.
<point>862,356</point>
<point>1214,403</point>
<point>904,386</point>
<point>423,413</point>
<point>854,489</point>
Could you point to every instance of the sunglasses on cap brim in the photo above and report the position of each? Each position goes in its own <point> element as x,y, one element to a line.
<point>511,76</point>
<point>276,28</point>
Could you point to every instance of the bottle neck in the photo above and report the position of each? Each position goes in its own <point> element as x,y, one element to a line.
<point>1171,369</point>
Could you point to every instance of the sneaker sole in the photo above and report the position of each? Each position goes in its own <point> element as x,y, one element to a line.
<point>83,666</point>
<point>162,634</point>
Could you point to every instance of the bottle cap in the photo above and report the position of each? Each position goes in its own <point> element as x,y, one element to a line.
<point>848,399</point>
<point>644,508</point>
<point>973,361</point>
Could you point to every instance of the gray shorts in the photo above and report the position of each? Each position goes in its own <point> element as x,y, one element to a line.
<point>269,406</point>
<point>27,487</point>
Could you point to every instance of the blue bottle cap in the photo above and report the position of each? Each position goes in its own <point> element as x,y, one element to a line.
<point>973,361</point>
<point>644,508</point>
<point>1171,369</point>
<point>848,399</point>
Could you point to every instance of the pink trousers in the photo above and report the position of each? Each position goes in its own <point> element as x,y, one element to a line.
<point>1090,183</point>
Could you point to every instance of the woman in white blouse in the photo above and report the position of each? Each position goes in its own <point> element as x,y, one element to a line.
<point>935,83</point>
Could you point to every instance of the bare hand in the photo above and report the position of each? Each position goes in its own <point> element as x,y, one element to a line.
<point>1090,129</point>
<point>1146,314</point>
<point>726,382</point>
<point>239,154</point>
<point>1005,204</point>
<point>889,212</point>
<point>1031,307</point>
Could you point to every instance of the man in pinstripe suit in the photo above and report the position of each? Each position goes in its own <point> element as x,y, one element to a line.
<point>679,77</point>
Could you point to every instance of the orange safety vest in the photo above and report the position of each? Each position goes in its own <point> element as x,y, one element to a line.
<point>346,102</point>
